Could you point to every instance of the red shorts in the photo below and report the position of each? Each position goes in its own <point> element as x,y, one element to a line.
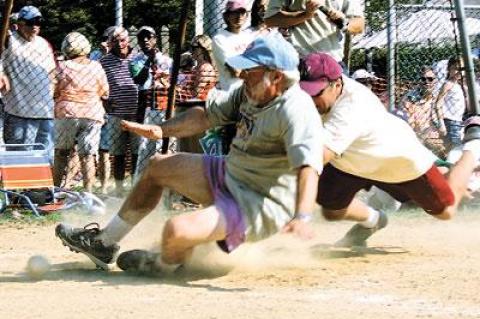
<point>336,189</point>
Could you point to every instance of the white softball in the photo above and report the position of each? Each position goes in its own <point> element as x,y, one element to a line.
<point>37,266</point>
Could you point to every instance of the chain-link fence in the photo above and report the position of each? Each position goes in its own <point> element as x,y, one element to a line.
<point>406,51</point>
<point>71,93</point>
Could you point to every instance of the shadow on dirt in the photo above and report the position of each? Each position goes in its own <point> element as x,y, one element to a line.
<point>82,272</point>
<point>330,251</point>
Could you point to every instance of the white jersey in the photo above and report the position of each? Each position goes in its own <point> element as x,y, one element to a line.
<point>225,45</point>
<point>454,103</point>
<point>370,142</point>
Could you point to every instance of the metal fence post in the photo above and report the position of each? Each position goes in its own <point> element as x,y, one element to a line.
<point>165,39</point>
<point>199,13</point>
<point>467,57</point>
<point>118,12</point>
<point>391,40</point>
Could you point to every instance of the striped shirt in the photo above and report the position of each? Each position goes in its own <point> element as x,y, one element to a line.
<point>123,98</point>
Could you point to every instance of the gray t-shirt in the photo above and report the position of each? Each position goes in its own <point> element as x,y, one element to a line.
<point>317,33</point>
<point>271,143</point>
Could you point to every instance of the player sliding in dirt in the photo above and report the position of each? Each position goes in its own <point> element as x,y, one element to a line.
<point>266,183</point>
<point>366,146</point>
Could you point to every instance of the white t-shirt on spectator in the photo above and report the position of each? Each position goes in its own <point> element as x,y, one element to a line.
<point>227,44</point>
<point>370,142</point>
<point>30,67</point>
<point>454,103</point>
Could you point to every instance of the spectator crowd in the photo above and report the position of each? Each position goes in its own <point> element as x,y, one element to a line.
<point>73,103</point>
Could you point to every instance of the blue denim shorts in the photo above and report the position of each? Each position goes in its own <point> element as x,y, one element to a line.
<point>21,130</point>
<point>454,132</point>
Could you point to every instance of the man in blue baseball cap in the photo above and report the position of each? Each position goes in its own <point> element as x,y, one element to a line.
<point>28,95</point>
<point>29,13</point>
<point>266,183</point>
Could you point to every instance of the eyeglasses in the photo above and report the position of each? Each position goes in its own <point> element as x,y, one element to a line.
<point>428,78</point>
<point>34,22</point>
<point>239,12</point>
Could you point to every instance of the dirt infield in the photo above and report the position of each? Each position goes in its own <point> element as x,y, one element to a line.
<point>417,268</point>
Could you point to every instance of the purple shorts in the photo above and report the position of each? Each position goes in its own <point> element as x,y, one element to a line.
<point>214,169</point>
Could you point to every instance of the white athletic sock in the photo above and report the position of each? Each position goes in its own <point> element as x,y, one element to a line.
<point>372,219</point>
<point>474,147</point>
<point>115,231</point>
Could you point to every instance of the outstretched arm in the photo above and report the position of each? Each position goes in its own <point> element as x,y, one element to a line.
<point>191,122</point>
<point>306,195</point>
<point>286,19</point>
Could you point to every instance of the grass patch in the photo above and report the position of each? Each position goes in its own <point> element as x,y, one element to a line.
<point>24,216</point>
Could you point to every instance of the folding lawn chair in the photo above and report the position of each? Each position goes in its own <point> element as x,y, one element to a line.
<point>24,167</point>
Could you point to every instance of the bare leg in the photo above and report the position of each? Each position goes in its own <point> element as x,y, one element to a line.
<point>182,233</point>
<point>181,172</point>
<point>60,166</point>
<point>356,211</point>
<point>369,221</point>
<point>73,168</point>
<point>104,169</point>
<point>88,171</point>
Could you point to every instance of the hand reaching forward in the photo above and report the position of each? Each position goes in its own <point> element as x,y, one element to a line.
<point>153,132</point>
<point>299,228</point>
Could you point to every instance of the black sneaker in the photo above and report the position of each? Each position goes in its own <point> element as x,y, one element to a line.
<point>139,261</point>
<point>83,240</point>
<point>357,235</point>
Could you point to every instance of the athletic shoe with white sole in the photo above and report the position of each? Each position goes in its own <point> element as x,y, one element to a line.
<point>83,240</point>
<point>357,235</point>
<point>140,261</point>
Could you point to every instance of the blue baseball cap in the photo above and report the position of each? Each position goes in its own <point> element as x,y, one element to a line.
<point>270,50</point>
<point>29,13</point>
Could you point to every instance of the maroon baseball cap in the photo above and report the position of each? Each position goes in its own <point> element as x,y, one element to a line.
<point>234,5</point>
<point>317,69</point>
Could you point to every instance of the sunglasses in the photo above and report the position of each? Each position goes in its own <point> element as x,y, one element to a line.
<point>428,78</point>
<point>34,22</point>
<point>146,35</point>
<point>238,12</point>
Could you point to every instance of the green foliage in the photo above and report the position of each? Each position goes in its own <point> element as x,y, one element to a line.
<point>410,58</point>
<point>92,17</point>
<point>376,12</point>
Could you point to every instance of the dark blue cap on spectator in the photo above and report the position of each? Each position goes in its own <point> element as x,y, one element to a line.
<point>29,13</point>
